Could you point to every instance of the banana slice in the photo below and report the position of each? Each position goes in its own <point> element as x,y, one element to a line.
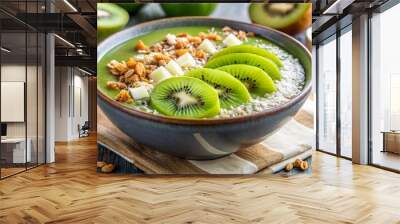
<point>160,74</point>
<point>186,60</point>
<point>139,93</point>
<point>231,40</point>
<point>174,68</point>
<point>208,46</point>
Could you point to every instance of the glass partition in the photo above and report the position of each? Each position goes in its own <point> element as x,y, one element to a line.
<point>346,93</point>
<point>385,89</point>
<point>327,96</point>
<point>22,101</point>
<point>32,98</point>
<point>15,150</point>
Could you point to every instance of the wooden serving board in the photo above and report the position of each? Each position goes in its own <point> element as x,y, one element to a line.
<point>246,161</point>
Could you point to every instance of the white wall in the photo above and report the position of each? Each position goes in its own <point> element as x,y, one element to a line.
<point>80,110</point>
<point>71,93</point>
<point>34,125</point>
<point>15,73</point>
<point>61,103</point>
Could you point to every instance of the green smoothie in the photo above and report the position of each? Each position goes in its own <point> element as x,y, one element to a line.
<point>291,84</point>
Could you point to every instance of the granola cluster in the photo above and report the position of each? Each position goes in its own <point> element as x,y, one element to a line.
<point>135,72</point>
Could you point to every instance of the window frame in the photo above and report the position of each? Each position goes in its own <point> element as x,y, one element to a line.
<point>43,51</point>
<point>381,9</point>
<point>334,37</point>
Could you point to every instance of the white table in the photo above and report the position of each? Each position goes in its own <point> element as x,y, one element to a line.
<point>18,145</point>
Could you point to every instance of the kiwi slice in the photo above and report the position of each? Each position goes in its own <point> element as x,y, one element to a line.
<point>231,91</point>
<point>110,19</point>
<point>185,97</point>
<point>249,49</point>
<point>249,59</point>
<point>255,79</point>
<point>291,18</point>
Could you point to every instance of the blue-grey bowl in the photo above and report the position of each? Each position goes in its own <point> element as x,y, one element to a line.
<point>202,139</point>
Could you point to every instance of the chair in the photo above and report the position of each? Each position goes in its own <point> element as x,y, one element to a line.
<point>84,130</point>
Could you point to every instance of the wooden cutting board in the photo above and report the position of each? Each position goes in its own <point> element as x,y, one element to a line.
<point>250,160</point>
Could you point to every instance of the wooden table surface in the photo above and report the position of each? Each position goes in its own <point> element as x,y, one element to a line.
<point>71,191</point>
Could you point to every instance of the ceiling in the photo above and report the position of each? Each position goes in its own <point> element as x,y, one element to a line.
<point>332,15</point>
<point>72,20</point>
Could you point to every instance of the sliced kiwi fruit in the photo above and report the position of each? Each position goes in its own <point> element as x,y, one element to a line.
<point>255,79</point>
<point>188,9</point>
<point>110,19</point>
<point>249,49</point>
<point>291,18</point>
<point>249,59</point>
<point>231,91</point>
<point>186,97</point>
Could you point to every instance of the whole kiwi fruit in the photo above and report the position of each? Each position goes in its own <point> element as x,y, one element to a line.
<point>188,9</point>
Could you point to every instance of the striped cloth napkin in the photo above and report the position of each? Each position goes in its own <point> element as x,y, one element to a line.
<point>292,141</point>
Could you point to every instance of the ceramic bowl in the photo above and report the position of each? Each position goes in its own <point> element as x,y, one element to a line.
<point>202,139</point>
